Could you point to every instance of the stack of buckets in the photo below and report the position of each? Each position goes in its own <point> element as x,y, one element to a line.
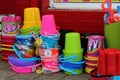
<point>95,43</point>
<point>10,28</point>
<point>49,51</point>
<point>25,60</point>
<point>72,48</point>
<point>32,21</point>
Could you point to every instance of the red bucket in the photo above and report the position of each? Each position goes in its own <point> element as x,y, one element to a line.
<point>108,62</point>
<point>9,40</point>
<point>5,54</point>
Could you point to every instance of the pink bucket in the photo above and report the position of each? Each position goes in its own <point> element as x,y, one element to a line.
<point>50,67</point>
<point>24,69</point>
<point>48,25</point>
<point>49,54</point>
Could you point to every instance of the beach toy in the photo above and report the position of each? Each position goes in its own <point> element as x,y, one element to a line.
<point>109,17</point>
<point>102,63</point>
<point>50,63</point>
<point>6,45</point>
<point>72,42</point>
<point>107,63</point>
<point>22,58</point>
<point>25,40</point>
<point>4,58</point>
<point>7,49</point>
<point>49,53</point>
<point>94,76</point>
<point>71,68</point>
<point>91,58</point>
<point>73,47</point>
<point>37,43</point>
<point>5,53</point>
<point>95,43</point>
<point>116,77</point>
<point>112,32</point>
<point>112,65</point>
<point>25,45</point>
<point>9,40</point>
<point>50,66</point>
<point>24,69</point>
<point>10,26</point>
<point>39,70</point>
<point>118,66</point>
<point>18,62</point>
<point>31,29</point>
<point>48,25</point>
<point>92,63</point>
<point>31,18</point>
<point>50,41</point>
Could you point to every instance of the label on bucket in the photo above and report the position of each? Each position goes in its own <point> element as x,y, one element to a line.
<point>48,53</point>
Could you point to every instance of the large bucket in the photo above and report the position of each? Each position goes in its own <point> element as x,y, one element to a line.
<point>112,36</point>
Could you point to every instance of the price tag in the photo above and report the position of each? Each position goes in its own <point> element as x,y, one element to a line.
<point>48,53</point>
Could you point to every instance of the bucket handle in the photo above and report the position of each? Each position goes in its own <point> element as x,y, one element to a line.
<point>68,70</point>
<point>26,59</point>
<point>70,61</point>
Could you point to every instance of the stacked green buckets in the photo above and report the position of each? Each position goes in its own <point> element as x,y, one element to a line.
<point>73,47</point>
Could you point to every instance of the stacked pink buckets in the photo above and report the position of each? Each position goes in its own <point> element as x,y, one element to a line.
<point>49,48</point>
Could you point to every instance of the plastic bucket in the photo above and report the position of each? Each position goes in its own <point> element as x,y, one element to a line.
<point>48,25</point>
<point>31,18</point>
<point>112,36</point>
<point>50,41</point>
<point>18,62</point>
<point>24,69</point>
<point>49,54</point>
<point>72,42</point>
<point>9,40</point>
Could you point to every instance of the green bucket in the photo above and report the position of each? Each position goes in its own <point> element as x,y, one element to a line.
<point>35,29</point>
<point>79,57</point>
<point>73,47</point>
<point>72,41</point>
<point>112,35</point>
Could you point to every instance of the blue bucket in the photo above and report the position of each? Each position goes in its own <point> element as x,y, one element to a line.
<point>50,41</point>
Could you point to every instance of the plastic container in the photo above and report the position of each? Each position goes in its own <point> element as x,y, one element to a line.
<point>72,41</point>
<point>18,62</point>
<point>49,53</point>
<point>9,40</point>
<point>73,47</point>
<point>50,41</point>
<point>31,18</point>
<point>117,14</point>
<point>102,63</point>
<point>48,25</point>
<point>111,62</point>
<point>112,32</point>
<point>24,69</point>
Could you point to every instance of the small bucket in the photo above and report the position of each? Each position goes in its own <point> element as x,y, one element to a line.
<point>50,41</point>
<point>49,54</point>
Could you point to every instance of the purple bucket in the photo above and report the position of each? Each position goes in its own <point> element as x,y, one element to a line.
<point>18,62</point>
